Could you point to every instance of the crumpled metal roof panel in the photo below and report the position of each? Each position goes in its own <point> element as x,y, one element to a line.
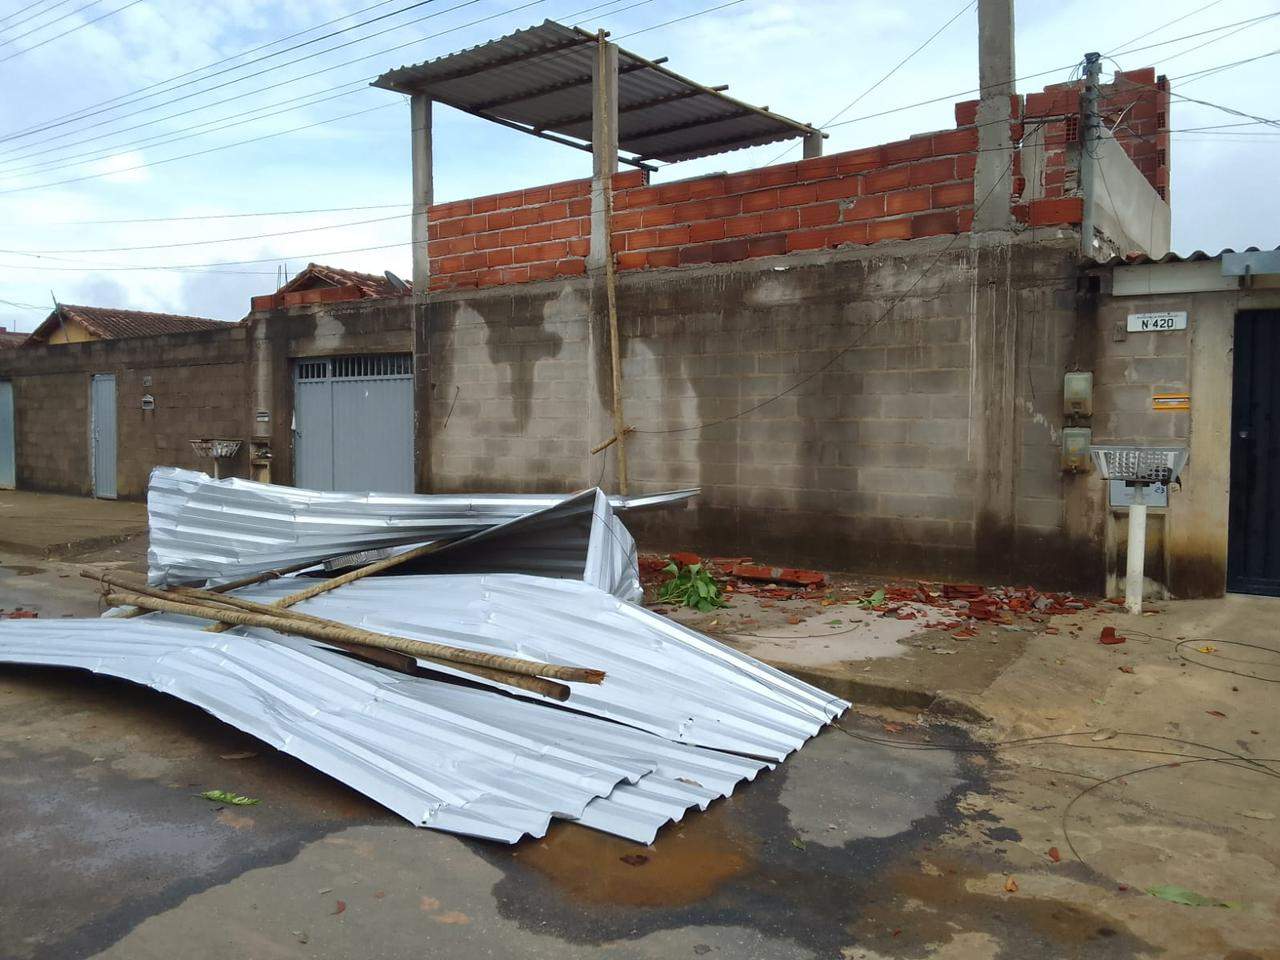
<point>661,676</point>
<point>220,530</point>
<point>441,755</point>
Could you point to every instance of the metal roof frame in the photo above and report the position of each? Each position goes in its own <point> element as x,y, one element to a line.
<point>541,81</point>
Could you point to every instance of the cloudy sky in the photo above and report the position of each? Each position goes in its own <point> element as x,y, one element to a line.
<point>96,125</point>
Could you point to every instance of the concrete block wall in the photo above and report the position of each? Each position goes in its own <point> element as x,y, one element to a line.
<point>823,401</point>
<point>505,390</point>
<point>198,382</point>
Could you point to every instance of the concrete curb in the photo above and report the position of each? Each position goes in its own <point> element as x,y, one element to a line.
<point>881,694</point>
<point>60,551</point>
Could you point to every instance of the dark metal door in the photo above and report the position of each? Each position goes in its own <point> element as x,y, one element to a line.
<point>1253,535</point>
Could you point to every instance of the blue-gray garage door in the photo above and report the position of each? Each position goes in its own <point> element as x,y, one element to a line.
<point>353,423</point>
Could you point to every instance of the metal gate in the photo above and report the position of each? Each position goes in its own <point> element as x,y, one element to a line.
<point>102,431</point>
<point>353,423</point>
<point>8,454</point>
<point>1253,533</point>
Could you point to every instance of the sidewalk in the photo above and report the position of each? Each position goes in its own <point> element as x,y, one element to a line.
<point>51,525</point>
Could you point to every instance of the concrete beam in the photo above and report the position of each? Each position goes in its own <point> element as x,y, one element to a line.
<point>604,149</point>
<point>420,138</point>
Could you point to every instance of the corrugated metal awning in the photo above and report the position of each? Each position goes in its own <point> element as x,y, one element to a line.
<point>539,80</point>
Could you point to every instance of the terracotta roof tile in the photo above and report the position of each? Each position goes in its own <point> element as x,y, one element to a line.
<point>113,324</point>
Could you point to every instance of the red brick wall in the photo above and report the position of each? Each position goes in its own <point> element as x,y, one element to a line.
<point>919,187</point>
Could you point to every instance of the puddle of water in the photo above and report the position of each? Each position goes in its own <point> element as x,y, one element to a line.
<point>688,862</point>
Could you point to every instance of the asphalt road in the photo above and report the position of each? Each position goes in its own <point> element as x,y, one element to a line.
<point>851,849</point>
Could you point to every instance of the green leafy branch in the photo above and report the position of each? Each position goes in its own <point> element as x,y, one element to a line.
<point>691,586</point>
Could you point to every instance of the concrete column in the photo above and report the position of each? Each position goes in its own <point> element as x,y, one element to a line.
<point>993,175</point>
<point>604,148</point>
<point>812,145</point>
<point>420,137</point>
<point>1090,131</point>
<point>262,366</point>
<point>994,443</point>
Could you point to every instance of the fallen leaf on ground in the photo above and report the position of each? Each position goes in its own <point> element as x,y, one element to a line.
<point>793,620</point>
<point>797,843</point>
<point>1103,735</point>
<point>1187,898</point>
<point>634,859</point>
<point>225,796</point>
<point>1054,855</point>
<point>427,904</point>
<point>891,727</point>
<point>339,907</point>
<point>1010,885</point>
<point>245,755</point>
<point>453,916</point>
<point>1258,814</point>
<point>1216,713</point>
<point>1208,648</point>
<point>1126,669</point>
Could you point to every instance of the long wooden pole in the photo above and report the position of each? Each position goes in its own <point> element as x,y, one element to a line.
<point>324,586</point>
<point>335,632</point>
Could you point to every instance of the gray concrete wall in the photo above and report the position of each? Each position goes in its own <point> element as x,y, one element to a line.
<point>871,462</point>
<point>1128,213</point>
<point>1188,551</point>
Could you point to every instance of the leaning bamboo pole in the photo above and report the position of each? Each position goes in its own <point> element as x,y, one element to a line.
<point>229,585</point>
<point>324,586</point>
<point>331,631</point>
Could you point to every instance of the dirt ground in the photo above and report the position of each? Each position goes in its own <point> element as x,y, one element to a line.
<point>1109,779</point>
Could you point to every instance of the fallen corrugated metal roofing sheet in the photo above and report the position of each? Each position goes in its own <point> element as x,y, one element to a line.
<point>441,755</point>
<point>678,720</point>
<point>207,530</point>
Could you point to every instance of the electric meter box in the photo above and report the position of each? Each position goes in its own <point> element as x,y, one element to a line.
<point>1077,394</point>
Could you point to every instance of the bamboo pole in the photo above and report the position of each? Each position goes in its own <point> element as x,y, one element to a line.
<point>324,586</point>
<point>330,631</point>
<point>231,584</point>
<point>392,659</point>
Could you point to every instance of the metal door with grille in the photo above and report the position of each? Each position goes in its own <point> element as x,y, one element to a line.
<point>8,453</point>
<point>102,428</point>
<point>353,423</point>
<point>1253,532</point>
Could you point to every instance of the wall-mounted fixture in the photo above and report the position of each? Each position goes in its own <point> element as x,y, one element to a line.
<point>1075,449</point>
<point>148,402</point>
<point>1077,393</point>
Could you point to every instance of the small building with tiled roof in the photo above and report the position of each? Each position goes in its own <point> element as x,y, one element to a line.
<point>321,284</point>
<point>69,323</point>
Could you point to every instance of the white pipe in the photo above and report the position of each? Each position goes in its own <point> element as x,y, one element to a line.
<point>1135,555</point>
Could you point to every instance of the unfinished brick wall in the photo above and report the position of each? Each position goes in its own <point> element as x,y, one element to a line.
<point>918,187</point>
<point>514,237</point>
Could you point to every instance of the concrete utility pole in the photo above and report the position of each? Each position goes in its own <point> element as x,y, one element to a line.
<point>1090,131</point>
<point>420,138</point>
<point>994,444</point>
<point>993,174</point>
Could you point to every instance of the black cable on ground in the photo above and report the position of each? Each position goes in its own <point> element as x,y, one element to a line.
<point>1179,644</point>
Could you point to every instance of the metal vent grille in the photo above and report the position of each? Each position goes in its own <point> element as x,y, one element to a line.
<point>359,367</point>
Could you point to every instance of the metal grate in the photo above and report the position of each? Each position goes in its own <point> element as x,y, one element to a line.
<point>357,367</point>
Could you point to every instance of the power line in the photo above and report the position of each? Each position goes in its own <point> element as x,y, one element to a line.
<point>51,125</point>
<point>184,133</point>
<point>197,153</point>
<point>1163,26</point>
<point>217,63</point>
<point>331,119</point>
<point>201,243</point>
<point>900,64</point>
<point>18,155</point>
<point>50,23</point>
<point>23,9</point>
<point>222,216</point>
<point>34,16</point>
<point>1039,74</point>
<point>59,36</point>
